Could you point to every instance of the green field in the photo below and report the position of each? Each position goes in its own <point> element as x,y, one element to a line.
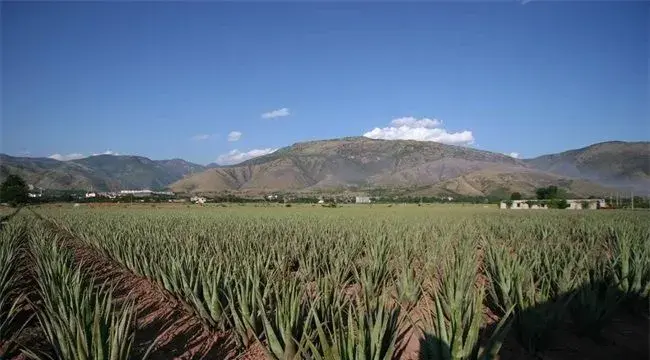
<point>352,282</point>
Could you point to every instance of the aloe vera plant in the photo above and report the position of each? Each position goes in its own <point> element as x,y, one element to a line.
<point>457,318</point>
<point>80,322</point>
<point>288,327</point>
<point>457,337</point>
<point>631,262</point>
<point>370,332</point>
<point>408,286</point>
<point>246,299</point>
<point>501,270</point>
<point>11,300</point>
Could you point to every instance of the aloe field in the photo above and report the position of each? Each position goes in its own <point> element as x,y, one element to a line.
<point>353,282</point>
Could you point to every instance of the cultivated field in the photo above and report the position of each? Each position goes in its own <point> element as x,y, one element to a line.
<point>308,282</point>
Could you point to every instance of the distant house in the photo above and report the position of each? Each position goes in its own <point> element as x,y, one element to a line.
<point>136,193</point>
<point>574,204</point>
<point>578,204</point>
<point>91,195</point>
<point>362,200</point>
<point>34,192</point>
<point>110,195</point>
<point>197,199</point>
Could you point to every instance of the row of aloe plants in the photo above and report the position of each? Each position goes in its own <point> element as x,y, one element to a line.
<point>13,298</point>
<point>342,286</point>
<point>79,320</point>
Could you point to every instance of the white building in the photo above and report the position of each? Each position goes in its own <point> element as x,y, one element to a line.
<point>362,200</point>
<point>574,204</point>
<point>136,192</point>
<point>90,195</point>
<point>110,195</point>
<point>578,204</point>
<point>197,199</point>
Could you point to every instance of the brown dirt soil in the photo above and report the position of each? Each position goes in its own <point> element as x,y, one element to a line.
<point>254,352</point>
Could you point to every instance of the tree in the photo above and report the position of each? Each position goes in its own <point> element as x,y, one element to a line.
<point>14,190</point>
<point>515,196</point>
<point>558,204</point>
<point>551,192</point>
<point>541,193</point>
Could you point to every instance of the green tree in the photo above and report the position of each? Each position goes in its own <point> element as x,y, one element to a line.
<point>515,196</point>
<point>14,190</point>
<point>551,192</point>
<point>558,204</point>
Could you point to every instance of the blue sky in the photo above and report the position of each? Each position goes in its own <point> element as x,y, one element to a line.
<point>171,79</point>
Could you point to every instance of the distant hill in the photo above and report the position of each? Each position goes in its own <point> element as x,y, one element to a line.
<point>623,165</point>
<point>101,172</point>
<point>357,164</point>
<point>360,163</point>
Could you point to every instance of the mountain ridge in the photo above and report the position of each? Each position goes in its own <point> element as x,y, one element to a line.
<point>619,164</point>
<point>363,163</point>
<point>99,172</point>
<point>355,164</point>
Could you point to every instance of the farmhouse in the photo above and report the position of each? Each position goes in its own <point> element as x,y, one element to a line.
<point>574,204</point>
<point>362,200</point>
<point>198,199</point>
<point>136,193</point>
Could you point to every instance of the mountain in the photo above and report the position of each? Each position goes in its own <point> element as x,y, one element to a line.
<point>623,165</point>
<point>101,172</point>
<point>360,163</point>
<point>357,164</point>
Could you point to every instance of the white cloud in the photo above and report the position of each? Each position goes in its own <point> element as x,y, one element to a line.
<point>425,129</point>
<point>234,136</point>
<point>200,137</point>
<point>66,157</point>
<point>276,113</point>
<point>75,156</point>
<point>236,156</point>
<point>107,152</point>
<point>514,155</point>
